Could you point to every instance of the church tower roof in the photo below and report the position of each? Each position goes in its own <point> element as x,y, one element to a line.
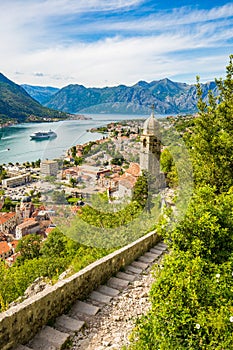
<point>151,126</point>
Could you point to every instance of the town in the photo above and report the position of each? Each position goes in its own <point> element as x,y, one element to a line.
<point>30,191</point>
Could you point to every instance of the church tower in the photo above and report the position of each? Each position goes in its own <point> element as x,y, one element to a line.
<point>150,146</point>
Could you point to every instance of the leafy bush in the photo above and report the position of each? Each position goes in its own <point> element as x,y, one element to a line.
<point>192,306</point>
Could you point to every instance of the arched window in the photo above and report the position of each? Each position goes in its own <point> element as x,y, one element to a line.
<point>144,143</point>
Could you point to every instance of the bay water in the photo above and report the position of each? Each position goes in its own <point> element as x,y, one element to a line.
<point>16,145</point>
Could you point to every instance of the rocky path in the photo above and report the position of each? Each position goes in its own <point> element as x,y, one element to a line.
<point>112,326</point>
<point>106,318</point>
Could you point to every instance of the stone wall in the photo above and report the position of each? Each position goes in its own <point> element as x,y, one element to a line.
<point>21,322</point>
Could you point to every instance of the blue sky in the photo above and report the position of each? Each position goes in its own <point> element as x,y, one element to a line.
<point>111,42</point>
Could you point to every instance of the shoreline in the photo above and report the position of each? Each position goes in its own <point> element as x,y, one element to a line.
<point>12,123</point>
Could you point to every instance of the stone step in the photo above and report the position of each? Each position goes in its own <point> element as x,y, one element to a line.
<point>161,246</point>
<point>117,283</point>
<point>151,255</point>
<point>132,269</point>
<point>156,251</point>
<point>41,344</point>
<point>83,308</point>
<point>112,292</point>
<point>68,324</point>
<point>146,259</point>
<point>49,339</point>
<point>139,265</point>
<point>126,276</point>
<point>100,297</point>
<point>22,347</point>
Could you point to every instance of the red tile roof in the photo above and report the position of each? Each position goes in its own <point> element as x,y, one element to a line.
<point>4,217</point>
<point>27,223</point>
<point>14,244</point>
<point>4,248</point>
<point>134,169</point>
<point>49,229</point>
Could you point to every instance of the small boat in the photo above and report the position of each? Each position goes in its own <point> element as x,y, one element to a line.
<point>43,135</point>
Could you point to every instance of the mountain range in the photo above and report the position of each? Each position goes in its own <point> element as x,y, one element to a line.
<point>17,104</point>
<point>166,95</point>
<point>26,102</point>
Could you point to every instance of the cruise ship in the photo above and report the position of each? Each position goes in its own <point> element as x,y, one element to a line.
<point>43,135</point>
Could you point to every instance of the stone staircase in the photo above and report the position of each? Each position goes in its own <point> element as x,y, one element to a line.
<point>59,335</point>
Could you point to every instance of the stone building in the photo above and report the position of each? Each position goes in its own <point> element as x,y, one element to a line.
<point>17,180</point>
<point>25,209</point>
<point>127,181</point>
<point>150,147</point>
<point>27,227</point>
<point>8,222</point>
<point>49,167</point>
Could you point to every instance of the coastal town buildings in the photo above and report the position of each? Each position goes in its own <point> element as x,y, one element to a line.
<point>8,222</point>
<point>109,165</point>
<point>17,180</point>
<point>7,249</point>
<point>49,167</point>
<point>27,227</point>
<point>25,208</point>
<point>127,181</point>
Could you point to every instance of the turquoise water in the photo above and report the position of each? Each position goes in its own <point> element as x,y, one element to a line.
<point>16,145</point>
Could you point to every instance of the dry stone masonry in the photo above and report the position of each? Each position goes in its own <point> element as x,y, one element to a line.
<point>30,318</point>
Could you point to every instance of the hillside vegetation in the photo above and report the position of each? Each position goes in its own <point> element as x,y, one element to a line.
<point>16,104</point>
<point>191,298</point>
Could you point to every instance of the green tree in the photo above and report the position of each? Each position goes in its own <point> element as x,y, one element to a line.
<point>37,163</point>
<point>78,160</point>
<point>117,160</point>
<point>141,191</point>
<point>212,140</point>
<point>29,247</point>
<point>73,181</point>
<point>191,298</point>
<point>191,307</point>
<point>54,245</point>
<point>207,228</point>
<point>73,151</point>
<point>168,167</point>
<point>3,173</point>
<point>9,205</point>
<point>59,197</point>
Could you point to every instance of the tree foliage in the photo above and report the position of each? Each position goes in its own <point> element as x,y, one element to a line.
<point>212,140</point>
<point>191,297</point>
<point>29,247</point>
<point>48,259</point>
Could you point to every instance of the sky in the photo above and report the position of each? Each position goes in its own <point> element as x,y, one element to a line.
<point>100,43</point>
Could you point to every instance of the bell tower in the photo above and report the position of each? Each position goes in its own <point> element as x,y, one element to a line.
<point>150,146</point>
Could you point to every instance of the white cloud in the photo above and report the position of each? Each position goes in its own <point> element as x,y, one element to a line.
<point>165,20</point>
<point>113,61</point>
<point>34,50</point>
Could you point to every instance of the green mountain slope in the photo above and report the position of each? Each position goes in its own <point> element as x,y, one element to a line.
<point>15,103</point>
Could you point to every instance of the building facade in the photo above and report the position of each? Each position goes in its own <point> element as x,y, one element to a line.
<point>16,180</point>
<point>27,227</point>
<point>49,168</point>
<point>8,222</point>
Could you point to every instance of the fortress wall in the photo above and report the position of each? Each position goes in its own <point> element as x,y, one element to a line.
<point>21,322</point>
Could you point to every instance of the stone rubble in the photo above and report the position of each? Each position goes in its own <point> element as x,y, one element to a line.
<point>112,326</point>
